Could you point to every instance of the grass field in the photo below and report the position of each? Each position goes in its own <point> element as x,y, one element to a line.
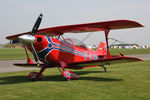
<point>129,51</point>
<point>130,81</point>
<point>19,53</point>
<point>13,54</point>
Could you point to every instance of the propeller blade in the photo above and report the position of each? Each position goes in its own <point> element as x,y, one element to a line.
<point>35,55</point>
<point>37,24</point>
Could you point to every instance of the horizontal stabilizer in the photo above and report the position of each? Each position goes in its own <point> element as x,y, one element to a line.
<point>35,65</point>
<point>28,65</point>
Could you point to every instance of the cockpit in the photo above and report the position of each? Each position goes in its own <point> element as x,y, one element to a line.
<point>71,41</point>
<point>75,42</point>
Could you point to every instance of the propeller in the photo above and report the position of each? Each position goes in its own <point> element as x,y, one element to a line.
<point>30,39</point>
<point>37,24</point>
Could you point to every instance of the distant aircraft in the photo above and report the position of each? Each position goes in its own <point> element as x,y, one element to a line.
<point>50,49</point>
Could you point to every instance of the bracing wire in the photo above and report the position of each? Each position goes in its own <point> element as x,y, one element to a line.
<point>85,38</point>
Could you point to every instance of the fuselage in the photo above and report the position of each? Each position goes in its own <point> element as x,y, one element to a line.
<point>53,50</point>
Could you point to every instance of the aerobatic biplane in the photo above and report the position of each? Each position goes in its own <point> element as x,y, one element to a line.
<point>50,49</point>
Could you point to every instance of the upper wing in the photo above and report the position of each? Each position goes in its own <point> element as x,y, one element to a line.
<point>112,60</point>
<point>88,27</point>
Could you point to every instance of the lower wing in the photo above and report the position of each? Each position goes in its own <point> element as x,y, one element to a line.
<point>105,61</point>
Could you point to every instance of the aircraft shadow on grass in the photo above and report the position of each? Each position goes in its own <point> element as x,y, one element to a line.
<point>58,78</point>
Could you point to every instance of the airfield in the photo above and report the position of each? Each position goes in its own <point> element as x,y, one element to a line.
<point>7,65</point>
<point>128,81</point>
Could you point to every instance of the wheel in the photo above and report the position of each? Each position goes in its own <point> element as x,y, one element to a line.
<point>69,75</point>
<point>35,76</point>
<point>67,79</point>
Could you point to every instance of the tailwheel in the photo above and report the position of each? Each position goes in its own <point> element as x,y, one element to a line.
<point>67,79</point>
<point>105,70</point>
<point>68,75</point>
<point>35,76</point>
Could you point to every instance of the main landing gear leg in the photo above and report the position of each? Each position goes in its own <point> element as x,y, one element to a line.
<point>37,75</point>
<point>105,70</point>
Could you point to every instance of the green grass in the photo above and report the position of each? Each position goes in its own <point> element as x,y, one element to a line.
<point>19,53</point>
<point>130,81</point>
<point>13,54</point>
<point>129,51</point>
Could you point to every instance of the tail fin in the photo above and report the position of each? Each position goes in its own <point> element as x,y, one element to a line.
<point>101,50</point>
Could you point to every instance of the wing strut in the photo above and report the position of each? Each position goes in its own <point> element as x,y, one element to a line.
<point>106,37</point>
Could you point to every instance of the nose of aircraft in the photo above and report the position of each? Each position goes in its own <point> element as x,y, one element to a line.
<point>27,39</point>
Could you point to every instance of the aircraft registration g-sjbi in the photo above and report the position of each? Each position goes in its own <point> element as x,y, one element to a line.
<point>50,49</point>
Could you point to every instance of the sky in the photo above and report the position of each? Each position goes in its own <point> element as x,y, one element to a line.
<point>18,16</point>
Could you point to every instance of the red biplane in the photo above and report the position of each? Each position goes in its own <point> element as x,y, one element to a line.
<point>50,49</point>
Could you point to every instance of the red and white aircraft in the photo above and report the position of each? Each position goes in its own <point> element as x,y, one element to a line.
<point>50,49</point>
